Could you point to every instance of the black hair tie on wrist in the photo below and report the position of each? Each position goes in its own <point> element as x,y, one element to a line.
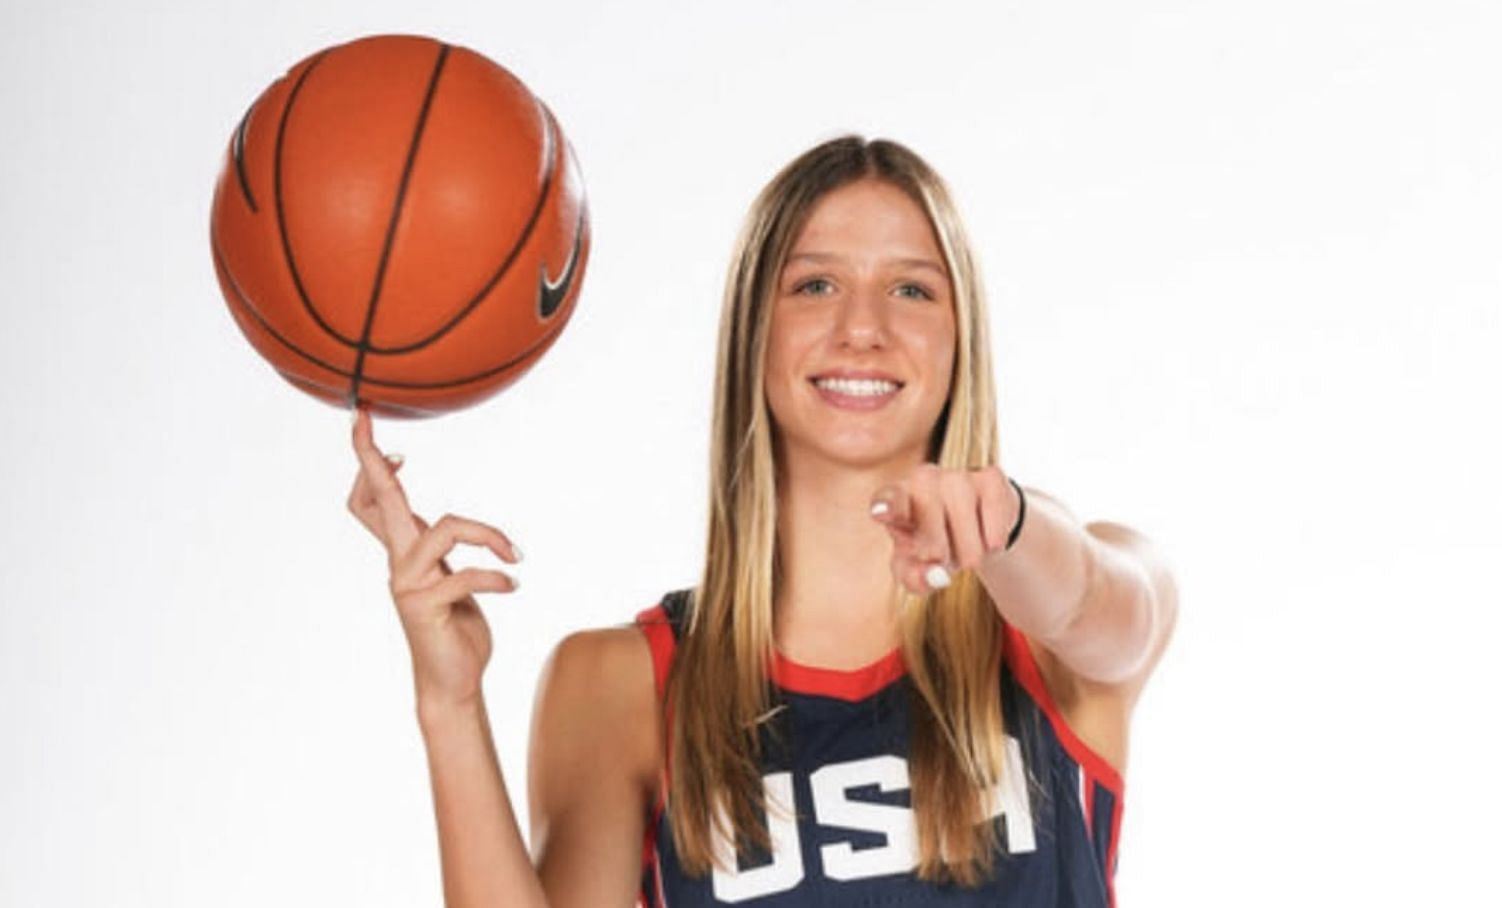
<point>1021,513</point>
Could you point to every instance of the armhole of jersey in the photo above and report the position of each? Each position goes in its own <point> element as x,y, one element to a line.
<point>1020,657</point>
<point>654,623</point>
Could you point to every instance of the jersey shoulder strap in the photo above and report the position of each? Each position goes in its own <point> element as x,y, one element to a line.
<point>663,624</point>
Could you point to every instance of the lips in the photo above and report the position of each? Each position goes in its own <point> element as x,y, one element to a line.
<point>836,397</point>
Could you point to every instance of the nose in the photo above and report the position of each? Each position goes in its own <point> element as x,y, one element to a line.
<point>861,320</point>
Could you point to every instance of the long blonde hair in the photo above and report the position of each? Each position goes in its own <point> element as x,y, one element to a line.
<point>718,687</point>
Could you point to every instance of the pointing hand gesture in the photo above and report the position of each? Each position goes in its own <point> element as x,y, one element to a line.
<point>445,628</point>
<point>944,520</point>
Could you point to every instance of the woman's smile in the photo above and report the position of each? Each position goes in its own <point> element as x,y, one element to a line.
<point>856,394</point>
<point>862,335</point>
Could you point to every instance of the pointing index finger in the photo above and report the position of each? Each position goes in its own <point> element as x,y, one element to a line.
<point>396,514</point>
<point>892,505</point>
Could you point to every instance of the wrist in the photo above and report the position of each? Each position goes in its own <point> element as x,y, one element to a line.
<point>1021,512</point>
<point>439,713</point>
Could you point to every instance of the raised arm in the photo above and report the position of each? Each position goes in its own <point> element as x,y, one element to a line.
<point>595,725</point>
<point>591,777</point>
<point>484,859</point>
<point>1099,596</point>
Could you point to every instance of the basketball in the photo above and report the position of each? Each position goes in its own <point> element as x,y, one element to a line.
<point>399,223</point>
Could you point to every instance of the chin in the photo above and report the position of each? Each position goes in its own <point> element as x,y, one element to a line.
<point>861,454</point>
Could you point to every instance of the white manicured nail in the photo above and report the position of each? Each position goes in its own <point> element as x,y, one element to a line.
<point>517,551</point>
<point>395,460</point>
<point>937,577</point>
<point>879,508</point>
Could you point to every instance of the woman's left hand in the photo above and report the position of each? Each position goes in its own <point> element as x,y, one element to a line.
<point>943,521</point>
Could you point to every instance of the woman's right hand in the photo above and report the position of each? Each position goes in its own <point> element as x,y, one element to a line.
<point>448,635</point>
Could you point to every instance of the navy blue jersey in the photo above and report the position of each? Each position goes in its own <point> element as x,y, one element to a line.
<point>840,807</point>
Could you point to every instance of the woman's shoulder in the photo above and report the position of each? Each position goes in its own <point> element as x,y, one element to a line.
<point>605,666</point>
<point>622,665</point>
<point>616,652</point>
<point>594,755</point>
<point>597,686</point>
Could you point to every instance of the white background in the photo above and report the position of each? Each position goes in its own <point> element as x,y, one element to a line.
<point>1244,276</point>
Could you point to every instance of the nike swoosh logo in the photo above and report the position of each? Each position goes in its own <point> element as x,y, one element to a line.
<point>550,294</point>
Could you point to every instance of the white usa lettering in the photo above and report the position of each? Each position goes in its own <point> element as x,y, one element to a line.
<point>786,869</point>
<point>831,786</point>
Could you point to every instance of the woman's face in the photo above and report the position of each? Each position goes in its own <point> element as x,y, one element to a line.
<point>862,335</point>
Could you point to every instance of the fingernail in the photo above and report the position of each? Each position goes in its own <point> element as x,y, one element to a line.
<point>395,460</point>
<point>937,577</point>
<point>517,551</point>
<point>879,508</point>
<point>354,415</point>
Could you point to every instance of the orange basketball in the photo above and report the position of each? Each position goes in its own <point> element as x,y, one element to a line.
<point>399,222</point>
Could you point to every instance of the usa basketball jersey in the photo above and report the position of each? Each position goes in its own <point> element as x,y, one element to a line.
<point>839,805</point>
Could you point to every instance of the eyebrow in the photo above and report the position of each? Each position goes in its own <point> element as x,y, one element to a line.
<point>829,257</point>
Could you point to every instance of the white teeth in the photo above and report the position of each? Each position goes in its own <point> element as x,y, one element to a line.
<point>857,387</point>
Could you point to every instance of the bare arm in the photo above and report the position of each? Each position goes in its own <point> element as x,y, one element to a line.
<point>1092,594</point>
<point>483,857</point>
<point>591,771</point>
<point>1097,603</point>
<point>593,755</point>
<point>593,767</point>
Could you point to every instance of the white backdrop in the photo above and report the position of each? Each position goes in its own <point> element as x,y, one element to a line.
<point>1244,275</point>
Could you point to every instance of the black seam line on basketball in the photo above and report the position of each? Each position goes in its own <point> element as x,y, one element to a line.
<point>380,382</point>
<point>385,407</point>
<point>542,339</point>
<point>281,215</point>
<point>550,143</point>
<point>255,313</point>
<point>240,159</point>
<point>318,390</point>
<point>307,384</point>
<point>396,214</point>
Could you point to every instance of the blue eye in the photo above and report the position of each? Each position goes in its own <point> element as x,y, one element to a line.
<point>922,291</point>
<point>803,287</point>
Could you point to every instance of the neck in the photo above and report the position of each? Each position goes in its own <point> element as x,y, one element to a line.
<point>836,603</point>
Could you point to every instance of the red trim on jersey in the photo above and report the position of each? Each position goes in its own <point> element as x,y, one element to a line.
<point>860,683</point>
<point>653,622</point>
<point>1089,801</point>
<point>843,684</point>
<point>662,897</point>
<point>1031,679</point>
<point>1111,853</point>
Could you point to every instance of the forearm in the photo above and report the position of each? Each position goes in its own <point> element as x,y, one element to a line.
<point>1066,589</point>
<point>1040,583</point>
<point>484,859</point>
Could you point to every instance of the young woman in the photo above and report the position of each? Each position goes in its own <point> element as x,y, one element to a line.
<point>901,678</point>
